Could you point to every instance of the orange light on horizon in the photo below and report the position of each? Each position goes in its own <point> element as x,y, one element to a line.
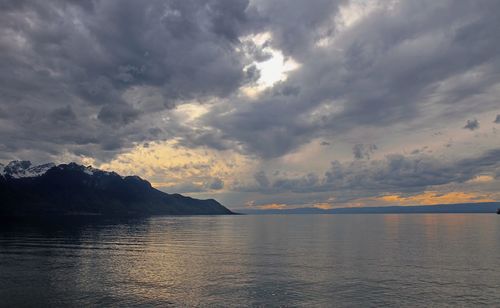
<point>271,206</point>
<point>434,197</point>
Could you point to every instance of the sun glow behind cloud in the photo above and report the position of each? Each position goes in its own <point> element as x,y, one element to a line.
<point>272,70</point>
<point>275,69</point>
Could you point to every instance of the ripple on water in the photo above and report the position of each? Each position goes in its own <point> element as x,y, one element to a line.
<point>299,260</point>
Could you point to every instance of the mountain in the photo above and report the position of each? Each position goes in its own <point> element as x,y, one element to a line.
<point>23,169</point>
<point>71,189</point>
<point>482,207</point>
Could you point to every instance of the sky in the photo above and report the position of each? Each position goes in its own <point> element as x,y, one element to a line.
<point>261,103</point>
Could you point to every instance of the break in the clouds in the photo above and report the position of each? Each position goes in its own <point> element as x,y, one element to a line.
<point>256,102</point>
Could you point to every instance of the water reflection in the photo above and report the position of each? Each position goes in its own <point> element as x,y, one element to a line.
<point>296,260</point>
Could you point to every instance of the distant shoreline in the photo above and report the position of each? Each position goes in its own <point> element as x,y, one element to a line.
<point>458,208</point>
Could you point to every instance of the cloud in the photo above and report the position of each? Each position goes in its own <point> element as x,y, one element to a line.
<point>181,188</point>
<point>83,60</point>
<point>268,206</point>
<point>118,114</point>
<point>398,65</point>
<point>107,81</point>
<point>63,116</point>
<point>433,197</point>
<point>361,151</point>
<point>399,173</point>
<point>216,184</point>
<point>472,124</point>
<point>122,66</point>
<point>190,187</point>
<point>394,174</point>
<point>261,179</point>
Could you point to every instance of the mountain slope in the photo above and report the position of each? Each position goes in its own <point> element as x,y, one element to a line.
<point>72,189</point>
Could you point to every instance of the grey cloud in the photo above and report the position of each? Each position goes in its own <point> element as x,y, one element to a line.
<point>252,74</point>
<point>118,114</point>
<point>108,69</point>
<point>395,173</point>
<point>361,151</point>
<point>301,184</point>
<point>79,59</point>
<point>216,184</point>
<point>385,70</point>
<point>110,144</point>
<point>398,173</point>
<point>257,52</point>
<point>357,151</point>
<point>472,124</point>
<point>296,25</point>
<point>63,116</point>
<point>261,179</point>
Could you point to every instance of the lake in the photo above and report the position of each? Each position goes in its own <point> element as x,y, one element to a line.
<point>275,260</point>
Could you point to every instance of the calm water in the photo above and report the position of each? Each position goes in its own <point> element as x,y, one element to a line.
<point>303,260</point>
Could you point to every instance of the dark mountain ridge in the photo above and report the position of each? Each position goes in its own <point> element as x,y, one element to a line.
<point>72,189</point>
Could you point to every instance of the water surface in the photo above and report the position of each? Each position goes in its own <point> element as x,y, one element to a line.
<point>294,260</point>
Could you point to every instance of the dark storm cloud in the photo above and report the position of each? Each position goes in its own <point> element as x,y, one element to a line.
<point>472,124</point>
<point>72,62</point>
<point>63,116</point>
<point>381,71</point>
<point>296,24</point>
<point>105,70</point>
<point>118,114</point>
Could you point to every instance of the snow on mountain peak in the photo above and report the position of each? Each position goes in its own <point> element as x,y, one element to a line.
<point>23,169</point>
<point>91,170</point>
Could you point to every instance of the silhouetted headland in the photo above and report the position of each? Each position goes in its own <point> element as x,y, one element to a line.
<point>75,190</point>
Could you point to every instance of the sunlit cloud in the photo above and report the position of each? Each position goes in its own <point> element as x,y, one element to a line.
<point>323,206</point>
<point>170,166</point>
<point>433,197</point>
<point>482,179</point>
<point>271,206</point>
